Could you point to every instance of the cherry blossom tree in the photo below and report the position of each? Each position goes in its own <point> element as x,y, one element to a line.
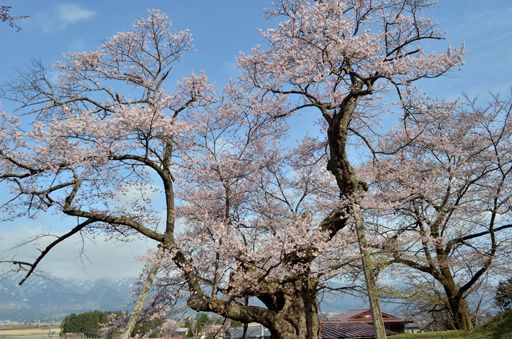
<point>243,216</point>
<point>337,58</point>
<point>262,220</point>
<point>157,309</point>
<point>422,298</point>
<point>443,198</point>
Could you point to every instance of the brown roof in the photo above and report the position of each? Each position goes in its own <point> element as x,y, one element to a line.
<point>337,330</point>
<point>365,316</point>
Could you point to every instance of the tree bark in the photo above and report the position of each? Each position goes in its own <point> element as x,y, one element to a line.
<point>371,284</point>
<point>300,318</point>
<point>295,312</point>
<point>458,307</point>
<point>461,314</point>
<point>350,187</point>
<point>141,299</point>
<point>290,313</point>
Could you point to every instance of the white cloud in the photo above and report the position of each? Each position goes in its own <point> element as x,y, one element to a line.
<point>61,16</point>
<point>101,257</point>
<point>70,13</point>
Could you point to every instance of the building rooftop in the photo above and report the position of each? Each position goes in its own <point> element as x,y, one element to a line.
<point>364,315</point>
<point>337,330</point>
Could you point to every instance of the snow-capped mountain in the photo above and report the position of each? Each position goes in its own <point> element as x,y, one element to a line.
<point>44,299</point>
<point>52,299</point>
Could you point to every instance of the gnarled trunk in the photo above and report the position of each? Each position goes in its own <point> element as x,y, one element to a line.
<point>298,319</point>
<point>457,306</point>
<point>291,311</point>
<point>460,314</point>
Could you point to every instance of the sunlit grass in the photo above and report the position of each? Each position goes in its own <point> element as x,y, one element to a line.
<point>499,327</point>
<point>38,332</point>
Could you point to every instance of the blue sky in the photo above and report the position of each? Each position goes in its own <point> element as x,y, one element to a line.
<point>221,29</point>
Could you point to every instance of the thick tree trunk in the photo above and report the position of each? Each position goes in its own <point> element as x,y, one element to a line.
<point>462,315</point>
<point>295,311</point>
<point>300,320</point>
<point>291,312</point>
<point>458,307</point>
<point>459,311</point>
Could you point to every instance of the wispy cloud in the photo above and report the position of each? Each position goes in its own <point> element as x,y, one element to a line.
<point>60,16</point>
<point>77,257</point>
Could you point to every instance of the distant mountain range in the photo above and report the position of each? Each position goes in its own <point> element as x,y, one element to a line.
<point>43,299</point>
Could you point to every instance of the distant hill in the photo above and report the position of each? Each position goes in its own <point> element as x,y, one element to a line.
<point>42,299</point>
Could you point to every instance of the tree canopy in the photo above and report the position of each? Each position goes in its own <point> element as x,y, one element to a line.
<point>243,214</point>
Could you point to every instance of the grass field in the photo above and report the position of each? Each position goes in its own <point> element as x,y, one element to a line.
<point>440,335</point>
<point>32,333</point>
<point>500,327</point>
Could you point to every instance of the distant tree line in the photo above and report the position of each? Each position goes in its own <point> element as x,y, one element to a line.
<point>92,324</point>
<point>504,294</point>
<point>88,323</point>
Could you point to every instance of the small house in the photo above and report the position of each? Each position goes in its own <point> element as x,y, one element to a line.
<point>359,324</point>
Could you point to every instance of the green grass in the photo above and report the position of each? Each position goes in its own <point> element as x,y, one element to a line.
<point>434,335</point>
<point>499,327</point>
